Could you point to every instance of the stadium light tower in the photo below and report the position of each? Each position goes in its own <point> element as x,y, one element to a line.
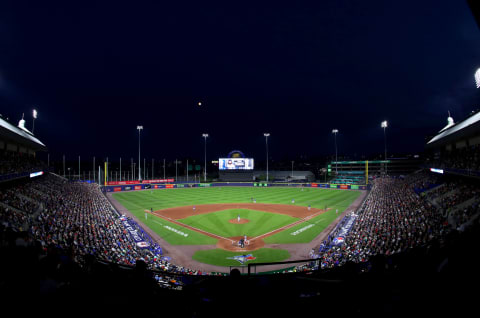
<point>266,145</point>
<point>34,117</point>
<point>205,170</point>
<point>384,126</point>
<point>335,132</point>
<point>477,78</point>
<point>139,163</point>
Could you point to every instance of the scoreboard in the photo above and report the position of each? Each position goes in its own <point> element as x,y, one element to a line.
<point>235,163</point>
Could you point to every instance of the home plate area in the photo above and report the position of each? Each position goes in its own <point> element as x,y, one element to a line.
<point>233,244</point>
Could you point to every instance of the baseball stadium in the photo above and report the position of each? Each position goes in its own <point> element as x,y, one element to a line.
<point>276,223</point>
<point>203,161</point>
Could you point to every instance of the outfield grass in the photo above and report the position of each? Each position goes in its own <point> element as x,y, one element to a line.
<point>304,232</point>
<point>167,198</point>
<point>219,257</point>
<point>139,201</point>
<point>218,222</point>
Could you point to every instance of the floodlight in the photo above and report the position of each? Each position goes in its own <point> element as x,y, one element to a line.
<point>34,114</point>
<point>384,124</point>
<point>477,78</point>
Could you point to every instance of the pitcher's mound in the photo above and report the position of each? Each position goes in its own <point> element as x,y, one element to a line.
<point>233,246</point>
<point>242,221</point>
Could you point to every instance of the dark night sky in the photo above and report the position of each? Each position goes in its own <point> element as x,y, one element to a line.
<point>96,70</point>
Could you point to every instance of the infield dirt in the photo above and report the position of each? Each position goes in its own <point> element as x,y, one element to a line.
<point>183,254</point>
<point>230,243</point>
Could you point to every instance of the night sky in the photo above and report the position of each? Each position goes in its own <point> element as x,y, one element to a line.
<point>96,70</point>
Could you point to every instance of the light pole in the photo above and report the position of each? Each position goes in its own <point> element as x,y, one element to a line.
<point>384,126</point>
<point>34,117</point>
<point>335,132</point>
<point>292,170</point>
<point>205,170</point>
<point>477,78</point>
<point>266,145</point>
<point>139,163</point>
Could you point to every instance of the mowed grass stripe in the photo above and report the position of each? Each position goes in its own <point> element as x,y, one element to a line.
<point>138,201</point>
<point>218,222</point>
<point>304,232</point>
<point>221,257</point>
<point>159,226</point>
<point>197,196</point>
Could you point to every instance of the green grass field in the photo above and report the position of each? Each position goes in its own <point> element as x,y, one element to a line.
<point>217,222</point>
<point>224,258</point>
<point>168,198</point>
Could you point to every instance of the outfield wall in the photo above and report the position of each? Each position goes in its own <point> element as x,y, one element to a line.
<point>143,186</point>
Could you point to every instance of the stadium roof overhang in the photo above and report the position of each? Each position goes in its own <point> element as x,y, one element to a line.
<point>467,128</point>
<point>13,134</point>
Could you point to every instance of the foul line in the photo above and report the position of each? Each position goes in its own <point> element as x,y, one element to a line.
<point>290,225</point>
<point>309,217</point>
<point>192,228</point>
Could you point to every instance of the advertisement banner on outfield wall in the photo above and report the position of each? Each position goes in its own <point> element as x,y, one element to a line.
<point>315,185</point>
<point>158,181</point>
<point>138,182</point>
<point>138,187</point>
<point>169,186</point>
<point>122,182</point>
<point>333,186</point>
<point>116,189</point>
<point>343,186</point>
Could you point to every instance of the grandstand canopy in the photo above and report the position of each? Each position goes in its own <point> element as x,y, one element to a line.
<point>469,127</point>
<point>14,135</point>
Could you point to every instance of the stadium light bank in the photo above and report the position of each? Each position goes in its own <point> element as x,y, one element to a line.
<point>384,126</point>
<point>266,145</point>
<point>335,132</point>
<point>477,78</point>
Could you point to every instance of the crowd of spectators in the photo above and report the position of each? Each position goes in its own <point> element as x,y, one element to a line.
<point>466,158</point>
<point>77,217</point>
<point>423,181</point>
<point>462,193</point>
<point>15,199</point>
<point>392,219</point>
<point>15,220</point>
<point>77,244</point>
<point>13,162</point>
<point>461,217</point>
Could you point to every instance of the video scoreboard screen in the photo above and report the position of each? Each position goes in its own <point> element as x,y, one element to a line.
<point>235,163</point>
